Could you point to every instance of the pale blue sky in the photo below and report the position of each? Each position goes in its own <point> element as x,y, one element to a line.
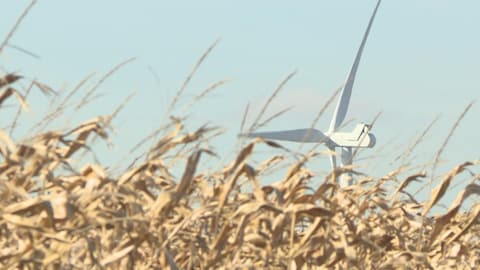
<point>422,59</point>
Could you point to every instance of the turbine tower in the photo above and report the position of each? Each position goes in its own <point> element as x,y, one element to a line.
<point>360,137</point>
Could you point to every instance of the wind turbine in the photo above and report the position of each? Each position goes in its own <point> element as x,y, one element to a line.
<point>360,137</point>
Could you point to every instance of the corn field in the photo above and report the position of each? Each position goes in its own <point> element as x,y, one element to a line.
<point>54,216</point>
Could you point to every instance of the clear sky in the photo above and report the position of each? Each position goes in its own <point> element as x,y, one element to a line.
<point>422,59</point>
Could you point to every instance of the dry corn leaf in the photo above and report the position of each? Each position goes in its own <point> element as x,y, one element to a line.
<point>444,220</point>
<point>11,91</point>
<point>117,255</point>
<point>440,190</point>
<point>407,181</point>
<point>9,79</point>
<point>309,209</point>
<point>244,153</point>
<point>473,219</point>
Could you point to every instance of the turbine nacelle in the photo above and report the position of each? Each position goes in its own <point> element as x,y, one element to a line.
<point>358,138</point>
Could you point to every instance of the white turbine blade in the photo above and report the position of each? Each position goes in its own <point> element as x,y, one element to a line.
<point>346,156</point>
<point>333,158</point>
<point>346,179</point>
<point>297,135</point>
<point>342,105</point>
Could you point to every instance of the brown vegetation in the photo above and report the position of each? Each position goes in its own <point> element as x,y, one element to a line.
<point>53,216</point>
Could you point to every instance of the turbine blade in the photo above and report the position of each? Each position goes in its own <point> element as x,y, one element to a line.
<point>342,105</point>
<point>346,179</point>
<point>333,159</point>
<point>298,135</point>
<point>346,156</point>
